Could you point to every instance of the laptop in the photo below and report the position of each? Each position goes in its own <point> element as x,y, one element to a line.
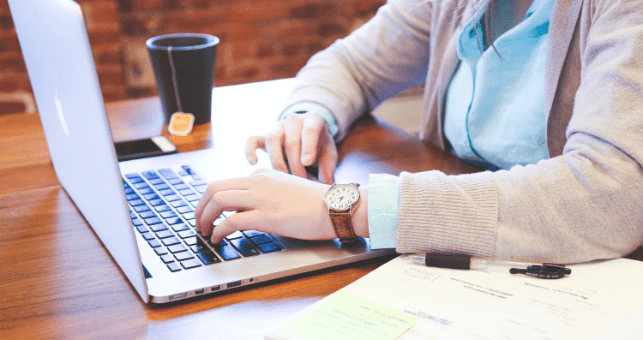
<point>142,210</point>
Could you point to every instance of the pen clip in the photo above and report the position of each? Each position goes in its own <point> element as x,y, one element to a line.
<point>547,271</point>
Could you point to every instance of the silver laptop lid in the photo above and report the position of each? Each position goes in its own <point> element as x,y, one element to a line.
<point>59,60</point>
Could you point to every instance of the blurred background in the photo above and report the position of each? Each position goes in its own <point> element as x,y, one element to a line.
<point>260,40</point>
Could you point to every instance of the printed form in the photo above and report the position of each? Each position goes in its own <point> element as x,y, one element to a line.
<point>460,304</point>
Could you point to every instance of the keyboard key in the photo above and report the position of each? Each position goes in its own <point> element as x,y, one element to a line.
<point>269,247</point>
<point>136,180</point>
<point>128,190</point>
<point>173,267</point>
<point>201,188</point>
<point>167,173</point>
<point>175,181</point>
<point>189,215</point>
<point>177,204</point>
<point>181,186</point>
<point>172,198</point>
<point>177,248</point>
<point>236,234</point>
<point>180,227</point>
<point>261,239</point>
<point>145,191</point>
<point>184,173</point>
<point>152,220</point>
<point>174,220</point>
<point>197,245</point>
<point>187,169</point>
<point>167,192</point>
<point>142,229</point>
<point>154,243</point>
<point>157,181</point>
<point>157,202</point>
<point>151,196</point>
<point>129,176</point>
<point>150,174</point>
<point>252,233</point>
<point>131,197</point>
<point>160,251</point>
<point>167,259</point>
<point>193,263</point>
<point>141,186</point>
<point>162,208</point>
<point>136,203</point>
<point>171,241</point>
<point>184,255</point>
<point>164,234</point>
<point>168,214</point>
<point>160,187</point>
<point>227,252</point>
<point>187,233</point>
<point>192,197</point>
<point>140,208</point>
<point>190,241</point>
<point>158,227</point>
<point>147,214</point>
<point>208,258</point>
<point>245,247</point>
<point>186,192</point>
<point>136,222</point>
<point>198,182</point>
<point>192,222</point>
<point>147,236</point>
<point>184,209</point>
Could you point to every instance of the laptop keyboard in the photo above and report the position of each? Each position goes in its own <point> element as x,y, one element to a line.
<point>162,204</point>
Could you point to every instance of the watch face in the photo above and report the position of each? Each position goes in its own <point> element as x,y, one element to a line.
<point>341,197</point>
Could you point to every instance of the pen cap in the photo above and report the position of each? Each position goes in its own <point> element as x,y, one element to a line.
<point>454,261</point>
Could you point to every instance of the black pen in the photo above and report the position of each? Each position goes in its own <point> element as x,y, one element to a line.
<point>468,262</point>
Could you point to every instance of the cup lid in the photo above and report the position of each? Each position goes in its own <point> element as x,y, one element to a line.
<point>182,41</point>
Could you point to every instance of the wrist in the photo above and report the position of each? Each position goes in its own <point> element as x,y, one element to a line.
<point>359,218</point>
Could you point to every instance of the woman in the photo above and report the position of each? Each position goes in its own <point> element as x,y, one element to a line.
<point>546,94</point>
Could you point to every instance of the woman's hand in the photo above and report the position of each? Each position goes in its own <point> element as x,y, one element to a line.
<point>297,141</point>
<point>268,201</point>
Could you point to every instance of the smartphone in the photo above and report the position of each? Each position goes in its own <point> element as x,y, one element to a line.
<point>147,147</point>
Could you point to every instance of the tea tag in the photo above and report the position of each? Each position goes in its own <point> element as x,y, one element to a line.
<point>181,123</point>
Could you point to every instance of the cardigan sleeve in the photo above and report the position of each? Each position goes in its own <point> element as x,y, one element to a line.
<point>377,61</point>
<point>585,204</point>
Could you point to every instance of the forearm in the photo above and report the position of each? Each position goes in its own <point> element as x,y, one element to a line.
<point>574,208</point>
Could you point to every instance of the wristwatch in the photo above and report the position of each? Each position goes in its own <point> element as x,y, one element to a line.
<point>340,200</point>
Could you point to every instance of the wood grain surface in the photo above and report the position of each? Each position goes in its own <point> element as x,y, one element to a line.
<point>58,281</point>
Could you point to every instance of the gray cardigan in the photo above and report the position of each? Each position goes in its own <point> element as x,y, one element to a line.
<point>583,203</point>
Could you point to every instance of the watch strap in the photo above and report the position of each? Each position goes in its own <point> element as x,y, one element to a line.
<point>343,226</point>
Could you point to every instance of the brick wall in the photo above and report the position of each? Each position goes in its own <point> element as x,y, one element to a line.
<point>260,39</point>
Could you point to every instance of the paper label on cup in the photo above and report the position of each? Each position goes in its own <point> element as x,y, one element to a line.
<point>181,123</point>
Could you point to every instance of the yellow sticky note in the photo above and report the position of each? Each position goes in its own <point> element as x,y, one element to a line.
<point>343,316</point>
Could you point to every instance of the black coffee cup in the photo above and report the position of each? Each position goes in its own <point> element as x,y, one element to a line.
<point>184,70</point>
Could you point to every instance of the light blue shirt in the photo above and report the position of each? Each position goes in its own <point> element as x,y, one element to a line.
<point>490,121</point>
<point>494,112</point>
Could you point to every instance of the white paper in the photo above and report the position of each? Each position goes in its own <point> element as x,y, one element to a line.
<point>598,300</point>
<point>459,304</point>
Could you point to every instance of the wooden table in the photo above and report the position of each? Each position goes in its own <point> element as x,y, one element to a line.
<point>58,281</point>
